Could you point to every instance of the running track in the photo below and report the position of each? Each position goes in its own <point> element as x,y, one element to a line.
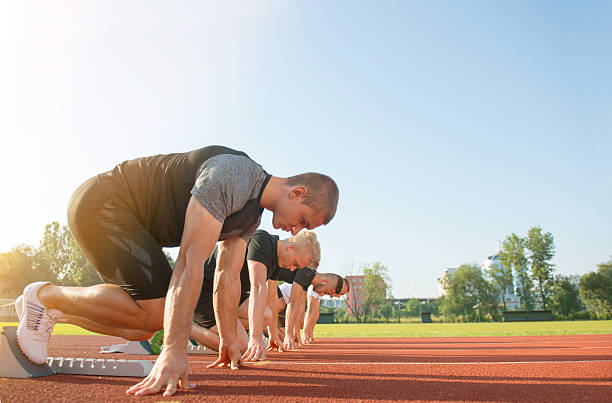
<point>496,369</point>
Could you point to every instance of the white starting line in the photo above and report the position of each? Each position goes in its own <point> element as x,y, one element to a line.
<point>416,350</point>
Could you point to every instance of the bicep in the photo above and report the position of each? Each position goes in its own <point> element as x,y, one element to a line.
<point>200,233</point>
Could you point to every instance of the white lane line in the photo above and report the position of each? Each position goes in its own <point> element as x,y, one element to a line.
<point>410,363</point>
<point>337,350</point>
<point>550,343</point>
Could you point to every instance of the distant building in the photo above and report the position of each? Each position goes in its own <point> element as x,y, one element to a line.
<point>513,302</point>
<point>401,303</point>
<point>357,294</point>
<point>332,302</point>
<point>441,290</point>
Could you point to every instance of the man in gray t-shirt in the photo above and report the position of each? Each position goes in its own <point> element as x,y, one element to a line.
<point>122,218</point>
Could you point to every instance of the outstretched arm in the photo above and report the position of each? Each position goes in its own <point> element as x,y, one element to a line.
<point>199,237</point>
<point>257,305</point>
<point>275,306</point>
<point>312,316</point>
<point>226,296</point>
<point>296,303</point>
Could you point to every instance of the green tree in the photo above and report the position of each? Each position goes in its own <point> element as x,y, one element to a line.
<point>60,251</point>
<point>541,248</point>
<point>55,251</point>
<point>501,276</point>
<point>413,307</point>
<point>431,306</point>
<point>565,296</point>
<point>469,294</point>
<point>596,290</point>
<point>512,255</point>
<point>20,267</point>
<point>377,286</point>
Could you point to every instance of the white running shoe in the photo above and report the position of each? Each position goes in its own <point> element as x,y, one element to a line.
<point>35,324</point>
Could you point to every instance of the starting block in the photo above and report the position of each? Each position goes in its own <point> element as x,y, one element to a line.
<point>144,348</point>
<point>14,364</point>
<point>195,349</point>
<point>131,347</point>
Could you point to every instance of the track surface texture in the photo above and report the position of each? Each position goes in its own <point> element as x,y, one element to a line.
<point>491,369</point>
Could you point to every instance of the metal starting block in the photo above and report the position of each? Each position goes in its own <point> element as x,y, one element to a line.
<point>131,347</point>
<point>100,366</point>
<point>195,349</point>
<point>144,348</point>
<point>14,364</point>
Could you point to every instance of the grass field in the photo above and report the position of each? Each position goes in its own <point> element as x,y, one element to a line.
<point>431,329</point>
<point>463,329</point>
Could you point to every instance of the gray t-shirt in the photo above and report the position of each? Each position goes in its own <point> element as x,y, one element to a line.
<point>225,184</point>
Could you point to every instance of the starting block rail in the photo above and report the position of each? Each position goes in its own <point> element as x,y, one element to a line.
<point>144,348</point>
<point>14,364</point>
<point>100,366</point>
<point>131,347</point>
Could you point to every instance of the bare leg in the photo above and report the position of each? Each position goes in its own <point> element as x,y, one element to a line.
<point>205,336</point>
<point>106,308</point>
<point>128,334</point>
<point>210,337</point>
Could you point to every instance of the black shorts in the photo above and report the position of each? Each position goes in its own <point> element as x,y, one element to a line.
<point>204,314</point>
<point>115,242</point>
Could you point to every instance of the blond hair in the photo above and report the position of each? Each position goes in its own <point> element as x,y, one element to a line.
<point>307,240</point>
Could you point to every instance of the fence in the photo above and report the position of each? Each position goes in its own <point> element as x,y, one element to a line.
<point>7,310</point>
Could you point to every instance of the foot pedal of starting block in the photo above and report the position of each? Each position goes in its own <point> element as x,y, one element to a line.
<point>100,366</point>
<point>13,363</point>
<point>131,347</point>
<point>196,349</point>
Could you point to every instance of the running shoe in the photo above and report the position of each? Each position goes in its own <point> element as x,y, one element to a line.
<point>35,324</point>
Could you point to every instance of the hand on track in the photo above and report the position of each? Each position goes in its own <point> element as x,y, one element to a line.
<point>170,373</point>
<point>275,343</point>
<point>289,344</point>
<point>229,355</point>
<point>256,351</point>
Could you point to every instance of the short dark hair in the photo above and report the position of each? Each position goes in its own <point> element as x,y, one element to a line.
<point>322,195</point>
<point>348,284</point>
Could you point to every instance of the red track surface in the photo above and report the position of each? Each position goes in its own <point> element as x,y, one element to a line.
<point>537,369</point>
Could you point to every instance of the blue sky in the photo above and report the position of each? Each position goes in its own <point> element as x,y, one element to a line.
<point>447,125</point>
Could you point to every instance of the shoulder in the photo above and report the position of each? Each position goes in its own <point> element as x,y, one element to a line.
<point>260,237</point>
<point>228,164</point>
<point>261,240</point>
